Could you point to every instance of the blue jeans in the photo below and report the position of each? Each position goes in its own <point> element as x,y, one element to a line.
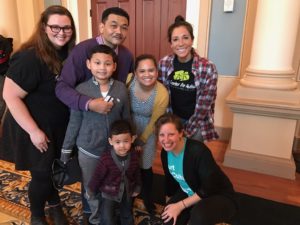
<point>88,165</point>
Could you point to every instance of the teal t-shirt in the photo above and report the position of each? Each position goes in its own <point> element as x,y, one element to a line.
<point>175,166</point>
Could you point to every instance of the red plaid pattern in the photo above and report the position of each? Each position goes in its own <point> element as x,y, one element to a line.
<point>206,77</point>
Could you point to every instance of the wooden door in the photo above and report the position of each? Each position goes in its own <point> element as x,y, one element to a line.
<point>149,22</point>
<point>98,6</point>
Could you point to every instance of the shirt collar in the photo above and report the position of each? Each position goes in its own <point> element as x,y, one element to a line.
<point>101,42</point>
<point>97,84</point>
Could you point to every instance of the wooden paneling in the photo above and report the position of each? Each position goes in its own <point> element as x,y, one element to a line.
<point>147,34</point>
<point>129,6</point>
<point>172,8</point>
<point>149,22</point>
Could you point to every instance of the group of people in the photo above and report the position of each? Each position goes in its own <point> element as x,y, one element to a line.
<point>95,98</point>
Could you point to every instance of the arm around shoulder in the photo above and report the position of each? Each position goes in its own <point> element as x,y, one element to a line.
<point>74,72</point>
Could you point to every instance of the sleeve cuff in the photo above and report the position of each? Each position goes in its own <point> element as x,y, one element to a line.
<point>87,105</point>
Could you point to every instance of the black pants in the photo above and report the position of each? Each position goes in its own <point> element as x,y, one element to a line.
<point>208,211</point>
<point>109,208</point>
<point>146,192</point>
<point>40,191</point>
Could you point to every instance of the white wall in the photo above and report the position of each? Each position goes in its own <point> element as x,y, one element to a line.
<point>18,19</point>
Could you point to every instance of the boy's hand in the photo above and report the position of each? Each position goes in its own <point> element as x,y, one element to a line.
<point>100,106</point>
<point>65,155</point>
<point>89,194</point>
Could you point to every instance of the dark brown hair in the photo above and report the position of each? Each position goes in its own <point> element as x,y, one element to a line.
<point>120,127</point>
<point>143,57</point>
<point>168,118</point>
<point>41,43</point>
<point>180,21</point>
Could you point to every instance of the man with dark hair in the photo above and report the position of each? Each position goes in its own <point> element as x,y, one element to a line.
<point>113,31</point>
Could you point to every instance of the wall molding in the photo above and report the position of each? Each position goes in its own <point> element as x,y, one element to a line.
<point>260,163</point>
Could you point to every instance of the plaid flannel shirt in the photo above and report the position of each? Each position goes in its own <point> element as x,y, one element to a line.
<point>206,77</point>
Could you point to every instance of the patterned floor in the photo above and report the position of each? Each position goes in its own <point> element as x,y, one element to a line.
<point>14,200</point>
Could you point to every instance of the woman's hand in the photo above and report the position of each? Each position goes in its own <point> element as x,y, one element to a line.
<point>172,211</point>
<point>39,140</point>
<point>139,149</point>
<point>138,145</point>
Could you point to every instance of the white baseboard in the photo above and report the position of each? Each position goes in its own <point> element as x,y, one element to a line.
<point>260,163</point>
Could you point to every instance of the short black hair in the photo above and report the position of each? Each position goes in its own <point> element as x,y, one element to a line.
<point>116,11</point>
<point>103,49</point>
<point>120,127</point>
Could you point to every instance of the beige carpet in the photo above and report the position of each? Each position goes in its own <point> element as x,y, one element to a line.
<point>14,204</point>
<point>9,211</point>
<point>5,219</point>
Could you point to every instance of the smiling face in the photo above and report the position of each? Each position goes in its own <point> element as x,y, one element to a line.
<point>61,38</point>
<point>146,73</point>
<point>170,138</point>
<point>102,66</point>
<point>114,30</point>
<point>121,143</point>
<point>181,43</point>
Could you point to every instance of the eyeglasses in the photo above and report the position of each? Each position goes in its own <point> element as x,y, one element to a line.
<point>56,29</point>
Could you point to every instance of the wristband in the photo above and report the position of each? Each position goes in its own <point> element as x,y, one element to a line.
<point>183,204</point>
<point>87,105</point>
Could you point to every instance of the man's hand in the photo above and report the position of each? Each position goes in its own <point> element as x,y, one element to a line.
<point>100,106</point>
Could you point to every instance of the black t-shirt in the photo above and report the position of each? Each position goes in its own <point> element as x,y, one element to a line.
<point>183,89</point>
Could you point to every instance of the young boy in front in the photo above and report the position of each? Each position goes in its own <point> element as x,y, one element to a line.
<point>89,130</point>
<point>117,176</point>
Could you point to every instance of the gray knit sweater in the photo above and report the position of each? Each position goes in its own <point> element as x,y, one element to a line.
<point>89,130</point>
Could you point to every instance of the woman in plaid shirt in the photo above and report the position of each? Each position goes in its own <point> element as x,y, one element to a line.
<point>191,81</point>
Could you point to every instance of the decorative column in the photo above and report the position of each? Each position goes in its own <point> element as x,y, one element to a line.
<point>266,103</point>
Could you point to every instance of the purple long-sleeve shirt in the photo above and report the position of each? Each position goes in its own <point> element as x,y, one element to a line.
<point>75,71</point>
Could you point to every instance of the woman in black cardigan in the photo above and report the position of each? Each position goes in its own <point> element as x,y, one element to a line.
<point>200,193</point>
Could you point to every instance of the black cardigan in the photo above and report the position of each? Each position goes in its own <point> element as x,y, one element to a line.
<point>200,171</point>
